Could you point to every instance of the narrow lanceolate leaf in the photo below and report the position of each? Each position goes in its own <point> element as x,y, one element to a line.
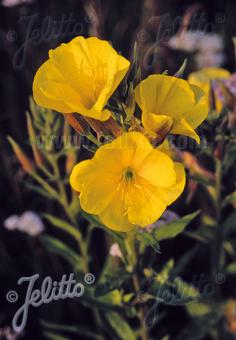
<point>33,141</point>
<point>24,161</point>
<point>174,228</point>
<point>120,326</point>
<point>230,199</point>
<point>231,268</point>
<point>61,249</point>
<point>54,336</point>
<point>79,330</point>
<point>149,239</point>
<point>181,70</point>
<point>229,224</point>
<point>63,225</point>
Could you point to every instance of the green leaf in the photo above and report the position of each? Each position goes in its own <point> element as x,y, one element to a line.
<point>230,159</point>
<point>230,198</point>
<point>60,248</point>
<point>163,276</point>
<point>174,228</point>
<point>70,329</point>
<point>92,302</point>
<point>120,326</point>
<point>186,290</point>
<point>54,336</point>
<point>229,224</point>
<point>197,309</point>
<point>169,295</point>
<point>114,297</point>
<point>109,283</point>
<point>231,268</point>
<point>181,70</point>
<point>148,239</point>
<point>37,189</point>
<point>63,225</point>
<point>229,248</point>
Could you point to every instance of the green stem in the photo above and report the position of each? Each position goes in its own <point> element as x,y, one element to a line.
<point>93,139</point>
<point>61,187</point>
<point>218,244</point>
<point>45,185</point>
<point>219,232</point>
<point>132,259</point>
<point>141,314</point>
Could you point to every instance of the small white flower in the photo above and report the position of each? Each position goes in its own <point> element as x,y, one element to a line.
<point>208,47</point>
<point>11,222</point>
<point>29,222</point>
<point>209,58</point>
<point>186,41</point>
<point>115,250</point>
<point>211,41</point>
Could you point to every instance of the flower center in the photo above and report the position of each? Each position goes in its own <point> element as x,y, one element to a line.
<point>129,175</point>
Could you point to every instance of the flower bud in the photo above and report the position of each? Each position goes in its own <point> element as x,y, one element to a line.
<point>22,158</point>
<point>37,154</point>
<point>78,123</point>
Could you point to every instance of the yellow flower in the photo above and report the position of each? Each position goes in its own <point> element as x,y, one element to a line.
<point>204,77</point>
<point>128,183</point>
<point>170,105</point>
<point>80,77</point>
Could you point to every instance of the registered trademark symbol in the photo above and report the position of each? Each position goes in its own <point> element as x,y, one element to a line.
<point>89,278</point>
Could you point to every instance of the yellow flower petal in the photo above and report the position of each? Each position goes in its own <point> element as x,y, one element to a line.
<point>134,148</point>
<point>157,125</point>
<point>157,170</point>
<point>182,127</point>
<point>146,205</point>
<point>169,102</point>
<point>81,174</point>
<point>164,95</point>
<point>97,194</point>
<point>80,77</point>
<point>171,194</point>
<point>45,72</point>
<point>204,77</point>
<point>115,216</point>
<point>199,112</point>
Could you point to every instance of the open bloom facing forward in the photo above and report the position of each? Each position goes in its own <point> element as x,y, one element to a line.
<point>170,105</point>
<point>204,77</point>
<point>128,183</point>
<point>80,77</point>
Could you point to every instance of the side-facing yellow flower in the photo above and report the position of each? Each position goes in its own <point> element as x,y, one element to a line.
<point>204,77</point>
<point>170,105</point>
<point>128,183</point>
<point>80,77</point>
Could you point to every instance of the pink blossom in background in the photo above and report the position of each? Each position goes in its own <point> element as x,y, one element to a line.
<point>12,3</point>
<point>231,84</point>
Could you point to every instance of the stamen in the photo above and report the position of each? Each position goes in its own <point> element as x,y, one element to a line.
<point>128,175</point>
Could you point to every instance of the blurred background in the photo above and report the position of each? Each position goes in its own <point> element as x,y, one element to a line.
<point>28,29</point>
